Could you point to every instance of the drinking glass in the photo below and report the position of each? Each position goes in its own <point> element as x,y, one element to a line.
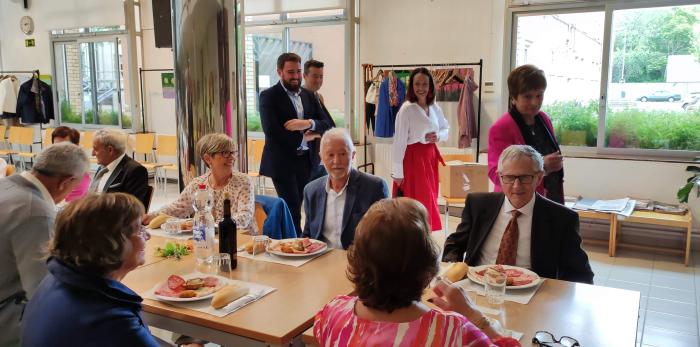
<point>260,244</point>
<point>495,286</point>
<point>220,265</point>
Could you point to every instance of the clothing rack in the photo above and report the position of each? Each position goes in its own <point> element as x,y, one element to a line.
<point>143,109</point>
<point>33,72</point>
<point>480,64</point>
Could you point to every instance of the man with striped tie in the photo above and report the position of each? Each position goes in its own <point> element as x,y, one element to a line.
<point>520,227</point>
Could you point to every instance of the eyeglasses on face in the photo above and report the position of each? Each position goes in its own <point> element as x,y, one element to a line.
<point>524,179</point>
<point>143,233</point>
<point>226,154</point>
<point>546,339</point>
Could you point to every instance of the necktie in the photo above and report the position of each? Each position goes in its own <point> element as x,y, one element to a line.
<point>509,242</point>
<point>96,180</point>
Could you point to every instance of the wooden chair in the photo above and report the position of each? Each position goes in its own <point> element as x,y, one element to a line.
<point>46,139</point>
<point>86,144</point>
<point>9,170</point>
<point>255,150</point>
<point>5,144</point>
<point>144,146</point>
<point>260,217</point>
<point>26,138</point>
<point>166,146</point>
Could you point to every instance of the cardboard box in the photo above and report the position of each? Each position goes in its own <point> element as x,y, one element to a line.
<point>452,178</point>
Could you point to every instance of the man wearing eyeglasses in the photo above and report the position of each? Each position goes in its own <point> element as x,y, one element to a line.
<point>518,226</point>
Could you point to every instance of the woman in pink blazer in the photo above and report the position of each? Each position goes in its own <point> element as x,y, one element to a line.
<point>526,124</point>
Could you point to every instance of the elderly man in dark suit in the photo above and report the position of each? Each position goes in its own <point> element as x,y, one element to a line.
<point>117,171</point>
<point>520,227</point>
<point>292,123</point>
<point>334,204</point>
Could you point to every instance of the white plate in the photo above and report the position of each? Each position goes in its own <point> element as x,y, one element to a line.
<point>222,282</point>
<point>280,253</point>
<point>472,274</point>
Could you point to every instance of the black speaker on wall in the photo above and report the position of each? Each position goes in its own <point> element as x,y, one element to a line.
<point>162,27</point>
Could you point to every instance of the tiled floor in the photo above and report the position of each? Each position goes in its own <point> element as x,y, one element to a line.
<point>670,292</point>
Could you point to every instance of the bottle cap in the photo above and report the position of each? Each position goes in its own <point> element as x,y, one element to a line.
<point>202,186</point>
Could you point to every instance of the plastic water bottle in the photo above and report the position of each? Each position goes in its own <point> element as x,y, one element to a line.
<point>203,226</point>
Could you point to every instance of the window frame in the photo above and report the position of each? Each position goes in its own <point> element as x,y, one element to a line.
<point>513,12</point>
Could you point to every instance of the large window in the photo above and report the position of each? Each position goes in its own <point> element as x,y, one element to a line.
<point>90,81</point>
<point>633,91</point>
<point>318,35</point>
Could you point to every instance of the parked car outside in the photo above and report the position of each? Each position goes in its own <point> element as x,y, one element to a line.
<point>660,95</point>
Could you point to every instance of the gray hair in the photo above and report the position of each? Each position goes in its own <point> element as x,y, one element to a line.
<point>338,133</point>
<point>215,143</point>
<point>61,160</point>
<point>112,137</point>
<point>514,152</point>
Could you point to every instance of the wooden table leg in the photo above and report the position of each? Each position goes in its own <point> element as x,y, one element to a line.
<point>612,243</point>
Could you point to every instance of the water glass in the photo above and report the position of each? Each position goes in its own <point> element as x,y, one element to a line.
<point>220,265</point>
<point>495,286</point>
<point>260,244</point>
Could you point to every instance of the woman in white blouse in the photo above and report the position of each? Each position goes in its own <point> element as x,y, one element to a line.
<point>219,153</point>
<point>419,125</point>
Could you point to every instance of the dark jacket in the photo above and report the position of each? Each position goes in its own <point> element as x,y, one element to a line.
<point>129,177</point>
<point>27,108</point>
<point>555,241</point>
<point>279,154</point>
<point>74,307</point>
<point>362,191</point>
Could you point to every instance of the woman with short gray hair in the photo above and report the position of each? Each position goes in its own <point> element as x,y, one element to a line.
<point>219,154</point>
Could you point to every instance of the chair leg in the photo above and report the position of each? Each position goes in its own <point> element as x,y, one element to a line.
<point>447,219</point>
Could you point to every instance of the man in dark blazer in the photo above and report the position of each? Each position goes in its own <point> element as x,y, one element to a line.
<point>292,124</point>
<point>542,235</point>
<point>313,80</point>
<point>117,171</point>
<point>334,204</point>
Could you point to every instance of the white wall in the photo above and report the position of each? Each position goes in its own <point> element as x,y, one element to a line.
<point>48,15</point>
<point>442,31</point>
<point>160,112</point>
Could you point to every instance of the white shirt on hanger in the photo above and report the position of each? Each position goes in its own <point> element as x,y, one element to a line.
<point>411,126</point>
<point>9,89</point>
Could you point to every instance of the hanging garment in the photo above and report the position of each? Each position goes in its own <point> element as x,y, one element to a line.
<point>35,102</point>
<point>9,88</point>
<point>386,110</point>
<point>466,118</point>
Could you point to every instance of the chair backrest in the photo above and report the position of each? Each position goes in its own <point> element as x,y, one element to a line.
<point>255,150</point>
<point>149,197</point>
<point>3,129</point>
<point>260,217</point>
<point>167,145</point>
<point>144,143</point>
<point>86,140</point>
<point>10,169</point>
<point>15,135</point>
<point>27,137</point>
<point>46,141</point>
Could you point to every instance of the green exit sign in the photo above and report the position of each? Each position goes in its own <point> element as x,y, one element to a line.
<point>29,43</point>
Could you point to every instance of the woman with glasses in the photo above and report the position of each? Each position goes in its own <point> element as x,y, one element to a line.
<point>97,240</point>
<point>219,154</point>
<point>526,124</point>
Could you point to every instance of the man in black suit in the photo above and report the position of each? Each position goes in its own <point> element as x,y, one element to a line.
<point>313,80</point>
<point>520,227</point>
<point>117,171</point>
<point>292,123</point>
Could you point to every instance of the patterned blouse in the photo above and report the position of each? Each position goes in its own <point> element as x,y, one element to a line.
<point>337,325</point>
<point>240,189</point>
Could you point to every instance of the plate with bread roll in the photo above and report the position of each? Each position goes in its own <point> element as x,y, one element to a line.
<point>299,247</point>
